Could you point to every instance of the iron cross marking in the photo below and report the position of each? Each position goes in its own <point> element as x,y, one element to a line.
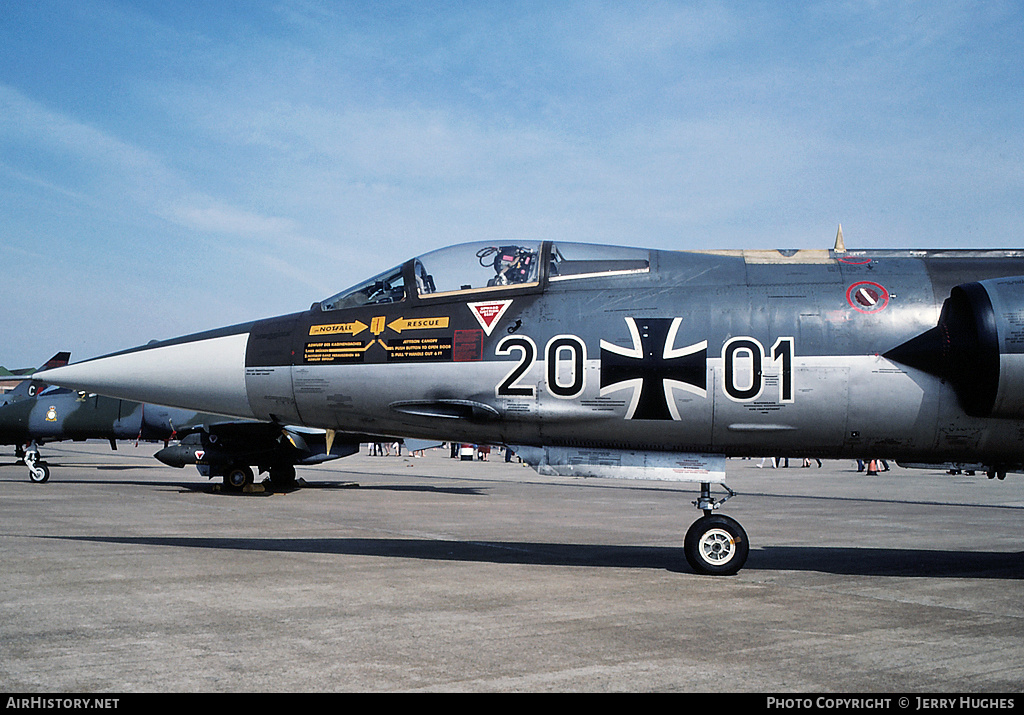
<point>652,367</point>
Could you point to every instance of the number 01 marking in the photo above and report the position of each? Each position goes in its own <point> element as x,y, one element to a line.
<point>744,352</point>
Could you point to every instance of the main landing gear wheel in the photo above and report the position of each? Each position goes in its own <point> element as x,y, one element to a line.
<point>238,478</point>
<point>716,545</point>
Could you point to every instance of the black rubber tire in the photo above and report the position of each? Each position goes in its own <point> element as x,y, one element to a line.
<point>716,545</point>
<point>39,473</point>
<point>238,478</point>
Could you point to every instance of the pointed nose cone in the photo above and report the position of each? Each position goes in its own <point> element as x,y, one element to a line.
<point>203,372</point>
<point>174,456</point>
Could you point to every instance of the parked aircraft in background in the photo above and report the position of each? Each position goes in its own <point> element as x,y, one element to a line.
<point>636,363</point>
<point>37,413</point>
<point>17,384</point>
<point>228,448</point>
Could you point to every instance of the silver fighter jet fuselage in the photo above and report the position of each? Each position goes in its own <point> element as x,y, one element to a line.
<point>593,355</point>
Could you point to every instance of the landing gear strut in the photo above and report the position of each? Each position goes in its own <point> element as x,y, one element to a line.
<point>38,472</point>
<point>715,544</point>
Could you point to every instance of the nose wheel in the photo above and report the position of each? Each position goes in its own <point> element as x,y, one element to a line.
<point>38,472</point>
<point>715,544</point>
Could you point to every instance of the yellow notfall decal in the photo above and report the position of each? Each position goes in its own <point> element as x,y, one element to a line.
<point>353,328</point>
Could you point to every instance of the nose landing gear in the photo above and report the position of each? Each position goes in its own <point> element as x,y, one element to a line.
<point>38,472</point>
<point>715,544</point>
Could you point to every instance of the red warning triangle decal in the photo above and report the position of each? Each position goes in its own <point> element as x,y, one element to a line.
<point>489,312</point>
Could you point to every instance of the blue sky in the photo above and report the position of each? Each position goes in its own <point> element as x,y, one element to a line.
<point>169,167</point>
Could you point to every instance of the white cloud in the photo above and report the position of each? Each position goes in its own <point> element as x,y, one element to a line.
<point>228,220</point>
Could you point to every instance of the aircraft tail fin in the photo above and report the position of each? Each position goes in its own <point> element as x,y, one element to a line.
<point>59,360</point>
<point>29,387</point>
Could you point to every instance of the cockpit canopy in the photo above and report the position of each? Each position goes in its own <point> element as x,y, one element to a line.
<point>489,266</point>
<point>386,287</point>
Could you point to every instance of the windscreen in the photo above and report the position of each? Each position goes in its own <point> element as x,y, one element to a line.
<point>387,287</point>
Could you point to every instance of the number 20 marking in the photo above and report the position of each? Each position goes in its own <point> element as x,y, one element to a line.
<point>566,351</point>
